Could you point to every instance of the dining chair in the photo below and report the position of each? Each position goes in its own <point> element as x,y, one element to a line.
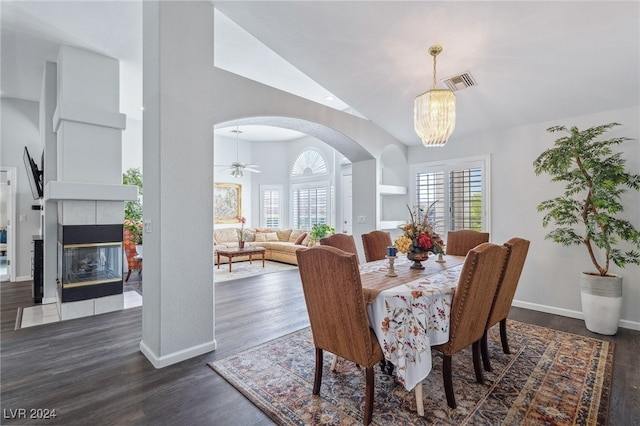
<point>335,303</point>
<point>375,245</point>
<point>470,309</point>
<point>460,242</point>
<point>344,242</point>
<point>518,249</point>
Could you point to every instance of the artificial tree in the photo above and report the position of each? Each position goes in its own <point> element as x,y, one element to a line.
<point>589,210</point>
<point>595,179</point>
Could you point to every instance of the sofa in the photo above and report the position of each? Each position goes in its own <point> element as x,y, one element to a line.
<point>279,244</point>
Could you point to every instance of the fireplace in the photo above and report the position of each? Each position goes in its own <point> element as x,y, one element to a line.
<point>89,261</point>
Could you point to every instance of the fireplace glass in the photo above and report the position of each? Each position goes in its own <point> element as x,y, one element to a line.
<point>89,264</point>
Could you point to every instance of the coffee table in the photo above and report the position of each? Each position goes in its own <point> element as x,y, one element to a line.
<point>230,253</point>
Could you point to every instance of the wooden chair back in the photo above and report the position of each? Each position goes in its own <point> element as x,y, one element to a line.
<point>518,249</point>
<point>375,245</point>
<point>460,242</point>
<point>337,313</point>
<point>473,297</point>
<point>335,303</point>
<point>344,242</point>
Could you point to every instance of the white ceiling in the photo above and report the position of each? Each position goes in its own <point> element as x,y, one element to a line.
<point>533,61</point>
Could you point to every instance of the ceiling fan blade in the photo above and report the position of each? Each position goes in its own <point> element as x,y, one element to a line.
<point>252,170</point>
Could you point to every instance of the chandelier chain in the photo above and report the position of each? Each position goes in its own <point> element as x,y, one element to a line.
<point>434,71</point>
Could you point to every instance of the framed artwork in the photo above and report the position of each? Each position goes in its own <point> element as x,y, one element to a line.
<point>227,202</point>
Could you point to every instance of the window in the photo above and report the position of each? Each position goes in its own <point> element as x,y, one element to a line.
<point>310,205</point>
<point>309,162</point>
<point>310,197</point>
<point>458,191</point>
<point>270,206</point>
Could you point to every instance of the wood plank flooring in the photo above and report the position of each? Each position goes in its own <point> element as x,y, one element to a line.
<point>90,370</point>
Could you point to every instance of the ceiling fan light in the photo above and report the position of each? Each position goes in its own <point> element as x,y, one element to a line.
<point>237,173</point>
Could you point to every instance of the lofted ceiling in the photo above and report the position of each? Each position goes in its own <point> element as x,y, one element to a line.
<point>533,61</point>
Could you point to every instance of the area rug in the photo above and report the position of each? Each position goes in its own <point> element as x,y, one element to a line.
<point>550,377</point>
<point>244,269</point>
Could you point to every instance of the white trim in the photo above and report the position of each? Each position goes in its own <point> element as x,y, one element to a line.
<point>23,278</point>
<point>49,300</point>
<point>632,325</point>
<point>179,356</point>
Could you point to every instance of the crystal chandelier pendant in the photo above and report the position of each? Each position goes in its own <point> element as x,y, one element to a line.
<point>434,112</point>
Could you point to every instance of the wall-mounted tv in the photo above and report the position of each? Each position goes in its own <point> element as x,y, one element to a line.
<point>34,174</point>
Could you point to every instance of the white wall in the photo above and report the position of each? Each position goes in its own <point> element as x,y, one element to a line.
<point>550,278</point>
<point>19,129</point>
<point>132,145</point>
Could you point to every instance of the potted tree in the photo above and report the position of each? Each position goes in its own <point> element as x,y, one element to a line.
<point>318,231</point>
<point>588,213</point>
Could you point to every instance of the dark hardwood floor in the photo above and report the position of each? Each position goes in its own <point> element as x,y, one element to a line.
<point>90,370</point>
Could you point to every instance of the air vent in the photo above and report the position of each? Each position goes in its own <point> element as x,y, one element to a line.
<point>459,82</point>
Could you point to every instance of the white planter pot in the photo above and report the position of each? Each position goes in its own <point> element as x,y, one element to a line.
<point>601,302</point>
<point>139,249</point>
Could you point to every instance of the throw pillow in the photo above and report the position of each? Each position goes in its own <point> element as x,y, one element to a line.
<point>271,236</point>
<point>306,240</point>
<point>301,238</point>
<point>295,233</point>
<point>249,236</point>
<point>261,237</point>
<point>283,234</point>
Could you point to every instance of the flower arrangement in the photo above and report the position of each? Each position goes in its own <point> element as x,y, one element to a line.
<point>241,234</point>
<point>418,236</point>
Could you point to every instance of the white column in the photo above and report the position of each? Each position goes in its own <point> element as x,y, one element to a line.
<point>48,138</point>
<point>178,310</point>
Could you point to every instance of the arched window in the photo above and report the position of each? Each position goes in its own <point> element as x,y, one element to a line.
<point>308,163</point>
<point>310,199</point>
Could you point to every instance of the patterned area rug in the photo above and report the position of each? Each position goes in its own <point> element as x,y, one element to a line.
<point>244,269</point>
<point>551,377</point>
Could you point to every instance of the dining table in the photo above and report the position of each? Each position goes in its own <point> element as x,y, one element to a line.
<point>410,312</point>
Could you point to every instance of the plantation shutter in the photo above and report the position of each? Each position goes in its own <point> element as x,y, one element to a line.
<point>465,192</point>
<point>309,206</point>
<point>270,207</point>
<point>459,193</point>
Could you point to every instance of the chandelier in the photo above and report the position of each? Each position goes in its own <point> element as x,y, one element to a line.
<point>434,112</point>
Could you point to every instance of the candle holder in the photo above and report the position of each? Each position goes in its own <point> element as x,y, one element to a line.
<point>440,258</point>
<point>392,271</point>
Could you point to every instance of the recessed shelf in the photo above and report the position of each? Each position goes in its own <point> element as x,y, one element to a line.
<point>392,190</point>
<point>391,224</point>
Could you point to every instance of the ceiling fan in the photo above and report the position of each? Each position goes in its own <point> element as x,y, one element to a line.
<point>237,168</point>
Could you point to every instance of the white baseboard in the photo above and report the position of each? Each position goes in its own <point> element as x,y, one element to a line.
<point>632,325</point>
<point>174,358</point>
<point>23,278</point>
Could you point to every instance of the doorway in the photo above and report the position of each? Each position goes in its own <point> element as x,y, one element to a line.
<point>7,213</point>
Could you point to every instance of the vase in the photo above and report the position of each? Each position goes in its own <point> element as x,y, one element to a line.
<point>417,258</point>
<point>241,244</point>
<point>601,299</point>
